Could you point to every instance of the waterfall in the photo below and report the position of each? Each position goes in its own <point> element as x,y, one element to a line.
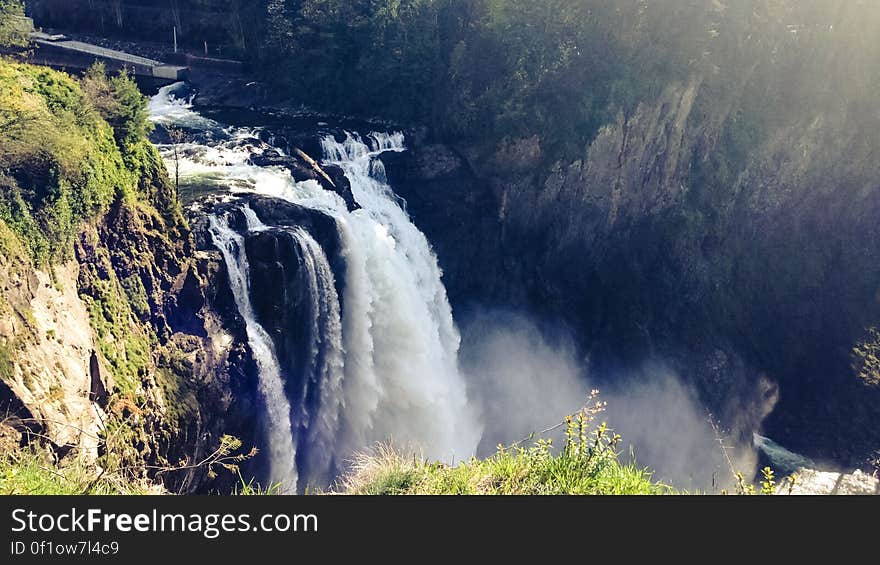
<point>402,379</point>
<point>326,362</point>
<point>282,449</point>
<point>383,358</point>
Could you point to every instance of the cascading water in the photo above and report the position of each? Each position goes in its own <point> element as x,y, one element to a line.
<point>283,450</point>
<point>325,363</point>
<point>402,379</point>
<point>382,359</point>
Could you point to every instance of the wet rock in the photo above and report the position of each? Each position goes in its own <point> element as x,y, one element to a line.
<point>303,168</point>
<point>812,482</point>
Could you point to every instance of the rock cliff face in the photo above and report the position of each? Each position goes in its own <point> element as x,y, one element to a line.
<point>751,265</point>
<point>48,337</point>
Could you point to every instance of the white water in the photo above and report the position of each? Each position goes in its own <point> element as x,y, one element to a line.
<point>281,441</point>
<point>402,378</point>
<point>326,364</point>
<point>167,109</point>
<point>390,365</point>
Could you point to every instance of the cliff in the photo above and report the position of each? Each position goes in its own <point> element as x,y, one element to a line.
<point>115,359</point>
<point>745,255</point>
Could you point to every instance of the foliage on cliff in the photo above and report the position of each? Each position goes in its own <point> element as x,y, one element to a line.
<point>81,182</point>
<point>12,31</point>
<point>487,69</point>
<point>70,151</point>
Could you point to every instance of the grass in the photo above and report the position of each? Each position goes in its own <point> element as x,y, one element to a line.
<point>533,471</point>
<point>31,471</point>
<point>588,464</point>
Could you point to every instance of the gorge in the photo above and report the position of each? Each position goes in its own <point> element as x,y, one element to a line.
<point>441,225</point>
<point>354,340</point>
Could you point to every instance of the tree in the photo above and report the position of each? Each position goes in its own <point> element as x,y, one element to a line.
<point>119,101</point>
<point>176,136</point>
<point>13,32</point>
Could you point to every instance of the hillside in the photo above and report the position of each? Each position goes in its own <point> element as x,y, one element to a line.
<point>112,369</point>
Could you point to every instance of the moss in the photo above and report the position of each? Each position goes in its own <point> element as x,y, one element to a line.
<point>10,247</point>
<point>137,296</point>
<point>126,350</point>
<point>7,363</point>
<point>175,372</point>
<point>180,399</point>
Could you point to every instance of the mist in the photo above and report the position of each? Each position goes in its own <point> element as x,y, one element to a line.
<point>524,381</point>
<point>520,382</point>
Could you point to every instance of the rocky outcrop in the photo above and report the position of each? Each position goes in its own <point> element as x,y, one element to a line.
<point>135,331</point>
<point>282,304</point>
<point>302,168</point>
<point>48,344</point>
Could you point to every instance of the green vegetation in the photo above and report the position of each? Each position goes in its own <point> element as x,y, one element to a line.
<point>119,102</point>
<point>60,164</point>
<point>7,366</point>
<point>31,471</point>
<point>126,347</point>
<point>520,471</point>
<point>12,33</point>
<point>481,71</point>
<point>588,464</point>
<point>476,69</point>
<point>120,471</point>
<point>866,358</point>
<point>70,150</point>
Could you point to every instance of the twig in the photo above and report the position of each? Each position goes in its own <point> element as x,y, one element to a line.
<point>719,438</point>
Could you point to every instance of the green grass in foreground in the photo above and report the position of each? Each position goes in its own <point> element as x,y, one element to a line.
<point>32,472</point>
<point>588,463</point>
